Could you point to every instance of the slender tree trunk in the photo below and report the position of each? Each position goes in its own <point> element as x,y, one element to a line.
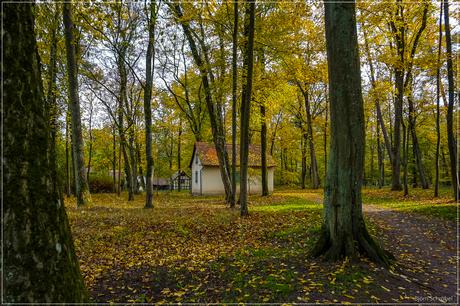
<point>380,159</point>
<point>132,158</point>
<point>398,29</point>
<point>123,152</point>
<point>82,191</point>
<point>405,153</point>
<point>114,162</point>
<point>438,87</point>
<point>90,149</point>
<point>72,165</point>
<point>263,140</point>
<point>39,264</point>
<point>452,142</point>
<point>119,168</point>
<point>216,123</point>
<point>377,101</point>
<point>263,129</point>
<point>149,69</point>
<point>315,181</point>
<point>234,97</point>
<point>325,139</point>
<point>344,232</point>
<point>67,163</point>
<point>124,143</point>
<point>444,162</point>
<point>179,185</point>
<point>139,163</point>
<point>396,161</point>
<point>303,145</point>
<point>415,145</point>
<point>248,61</point>
<point>371,171</point>
<point>52,107</point>
<point>414,169</point>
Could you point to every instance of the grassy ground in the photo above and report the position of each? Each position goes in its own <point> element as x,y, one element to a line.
<point>419,201</point>
<point>195,249</point>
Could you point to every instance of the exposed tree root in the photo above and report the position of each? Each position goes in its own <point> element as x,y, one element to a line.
<point>363,244</point>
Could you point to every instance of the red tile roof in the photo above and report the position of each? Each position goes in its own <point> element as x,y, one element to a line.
<point>208,155</point>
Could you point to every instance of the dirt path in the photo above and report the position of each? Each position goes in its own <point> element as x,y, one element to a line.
<point>425,249</point>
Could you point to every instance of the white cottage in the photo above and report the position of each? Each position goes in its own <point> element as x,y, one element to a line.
<point>206,178</point>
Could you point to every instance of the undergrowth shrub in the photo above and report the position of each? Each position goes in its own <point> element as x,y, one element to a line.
<point>100,183</point>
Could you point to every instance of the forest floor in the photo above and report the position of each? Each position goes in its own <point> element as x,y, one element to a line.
<point>196,250</point>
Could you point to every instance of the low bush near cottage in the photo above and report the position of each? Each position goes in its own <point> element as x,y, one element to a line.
<point>100,183</point>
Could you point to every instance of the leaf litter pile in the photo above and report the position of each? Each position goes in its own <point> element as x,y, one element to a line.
<point>196,250</point>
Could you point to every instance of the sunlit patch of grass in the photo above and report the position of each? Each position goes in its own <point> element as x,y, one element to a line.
<point>290,203</point>
<point>419,201</point>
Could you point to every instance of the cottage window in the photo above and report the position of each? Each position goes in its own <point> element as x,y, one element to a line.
<point>196,159</point>
<point>196,177</point>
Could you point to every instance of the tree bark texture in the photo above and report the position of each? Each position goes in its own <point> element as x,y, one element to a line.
<point>234,97</point>
<point>39,261</point>
<point>438,97</point>
<point>51,99</point>
<point>344,232</point>
<point>81,184</point>
<point>248,61</point>
<point>452,142</point>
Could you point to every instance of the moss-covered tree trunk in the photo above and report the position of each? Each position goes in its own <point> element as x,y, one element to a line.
<point>39,260</point>
<point>81,184</point>
<point>344,232</point>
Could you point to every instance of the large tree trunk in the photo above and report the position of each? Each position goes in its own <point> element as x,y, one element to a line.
<point>81,184</point>
<point>39,261</point>
<point>452,142</point>
<point>248,61</point>
<point>438,96</point>
<point>344,232</point>
<point>234,97</point>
